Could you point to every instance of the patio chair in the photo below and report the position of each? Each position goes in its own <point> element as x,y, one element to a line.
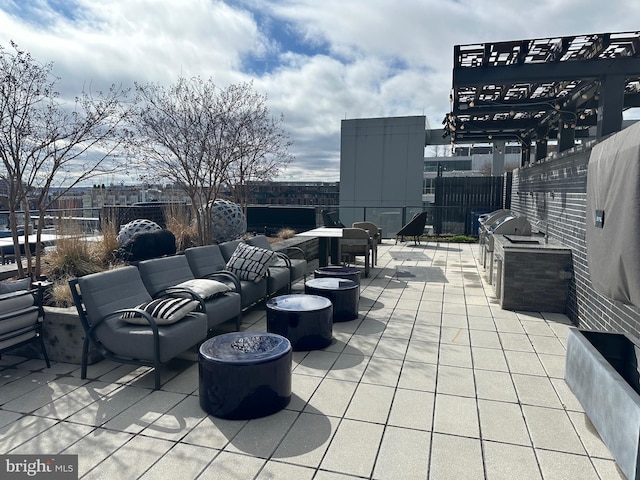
<point>173,276</point>
<point>413,229</point>
<point>375,233</point>
<point>374,230</point>
<point>330,219</point>
<point>104,299</point>
<point>297,266</point>
<point>21,317</point>
<point>356,242</point>
<point>207,262</point>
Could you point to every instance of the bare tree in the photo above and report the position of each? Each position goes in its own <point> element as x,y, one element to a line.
<point>511,166</point>
<point>196,135</point>
<point>485,169</point>
<point>261,145</point>
<point>44,144</point>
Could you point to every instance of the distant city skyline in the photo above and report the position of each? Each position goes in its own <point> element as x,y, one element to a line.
<point>318,62</point>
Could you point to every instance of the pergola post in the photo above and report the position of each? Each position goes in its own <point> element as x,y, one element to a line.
<point>497,166</point>
<point>541,148</point>
<point>610,105</point>
<point>525,151</point>
<point>566,131</point>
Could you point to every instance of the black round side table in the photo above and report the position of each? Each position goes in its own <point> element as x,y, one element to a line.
<point>344,295</point>
<point>338,271</point>
<point>244,374</point>
<point>306,320</point>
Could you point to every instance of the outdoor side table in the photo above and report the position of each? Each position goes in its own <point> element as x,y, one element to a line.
<point>344,295</point>
<point>338,271</point>
<point>306,320</point>
<point>244,374</point>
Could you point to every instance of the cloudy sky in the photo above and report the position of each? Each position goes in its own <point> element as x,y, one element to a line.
<point>318,61</point>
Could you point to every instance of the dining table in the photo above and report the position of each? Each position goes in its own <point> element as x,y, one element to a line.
<point>329,243</point>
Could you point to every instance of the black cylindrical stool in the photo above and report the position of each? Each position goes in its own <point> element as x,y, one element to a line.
<point>338,271</point>
<point>245,374</point>
<point>344,294</point>
<point>306,320</point>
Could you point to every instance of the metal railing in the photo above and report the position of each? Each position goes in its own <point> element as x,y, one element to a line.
<point>440,220</point>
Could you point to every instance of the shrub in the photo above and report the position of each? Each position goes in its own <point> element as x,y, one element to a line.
<point>178,220</point>
<point>285,233</point>
<point>463,239</point>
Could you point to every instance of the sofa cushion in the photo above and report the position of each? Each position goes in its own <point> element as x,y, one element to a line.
<point>250,263</point>
<point>13,301</point>
<point>205,288</point>
<point>15,285</point>
<point>164,311</point>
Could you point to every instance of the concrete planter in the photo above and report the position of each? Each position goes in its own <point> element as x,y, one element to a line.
<point>63,335</point>
<point>602,371</point>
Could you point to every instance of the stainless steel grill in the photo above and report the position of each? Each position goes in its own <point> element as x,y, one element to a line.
<point>505,225</point>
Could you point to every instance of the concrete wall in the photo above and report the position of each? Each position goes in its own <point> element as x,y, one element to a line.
<point>381,163</point>
<point>556,191</point>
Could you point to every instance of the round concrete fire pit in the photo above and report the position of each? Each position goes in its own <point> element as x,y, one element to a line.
<point>306,320</point>
<point>245,374</point>
<point>338,271</point>
<point>344,295</point>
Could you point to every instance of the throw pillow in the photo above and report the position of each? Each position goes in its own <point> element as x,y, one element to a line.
<point>165,311</point>
<point>250,263</point>
<point>205,288</point>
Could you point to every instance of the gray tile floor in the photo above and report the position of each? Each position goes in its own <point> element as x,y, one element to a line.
<point>432,381</point>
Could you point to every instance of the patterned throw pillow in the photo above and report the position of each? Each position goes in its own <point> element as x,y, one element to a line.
<point>250,263</point>
<point>205,288</point>
<point>165,311</point>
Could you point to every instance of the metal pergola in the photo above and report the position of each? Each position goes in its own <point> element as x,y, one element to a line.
<point>530,91</point>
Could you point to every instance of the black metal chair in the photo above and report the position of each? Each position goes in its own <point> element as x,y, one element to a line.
<point>414,229</point>
<point>330,219</point>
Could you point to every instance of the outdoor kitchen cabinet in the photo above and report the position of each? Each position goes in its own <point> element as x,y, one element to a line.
<point>530,274</point>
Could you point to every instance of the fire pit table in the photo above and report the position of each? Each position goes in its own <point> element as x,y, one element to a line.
<point>338,271</point>
<point>306,320</point>
<point>344,295</point>
<point>245,374</point>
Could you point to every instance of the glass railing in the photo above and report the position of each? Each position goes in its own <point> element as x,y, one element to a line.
<point>440,220</point>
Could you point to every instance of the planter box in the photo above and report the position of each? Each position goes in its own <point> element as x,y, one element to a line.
<point>63,335</point>
<point>602,371</point>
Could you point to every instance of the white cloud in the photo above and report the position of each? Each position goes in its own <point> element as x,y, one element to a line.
<point>356,58</point>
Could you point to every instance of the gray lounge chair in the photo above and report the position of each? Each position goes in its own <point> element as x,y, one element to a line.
<point>207,262</point>
<point>278,278</point>
<point>161,277</point>
<point>101,300</point>
<point>21,317</point>
<point>297,266</point>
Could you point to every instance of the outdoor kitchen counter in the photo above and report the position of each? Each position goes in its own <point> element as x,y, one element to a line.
<point>531,274</point>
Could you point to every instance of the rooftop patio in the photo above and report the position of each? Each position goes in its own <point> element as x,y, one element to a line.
<point>432,381</point>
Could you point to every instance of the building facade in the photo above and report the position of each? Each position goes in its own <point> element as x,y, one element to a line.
<point>381,164</point>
